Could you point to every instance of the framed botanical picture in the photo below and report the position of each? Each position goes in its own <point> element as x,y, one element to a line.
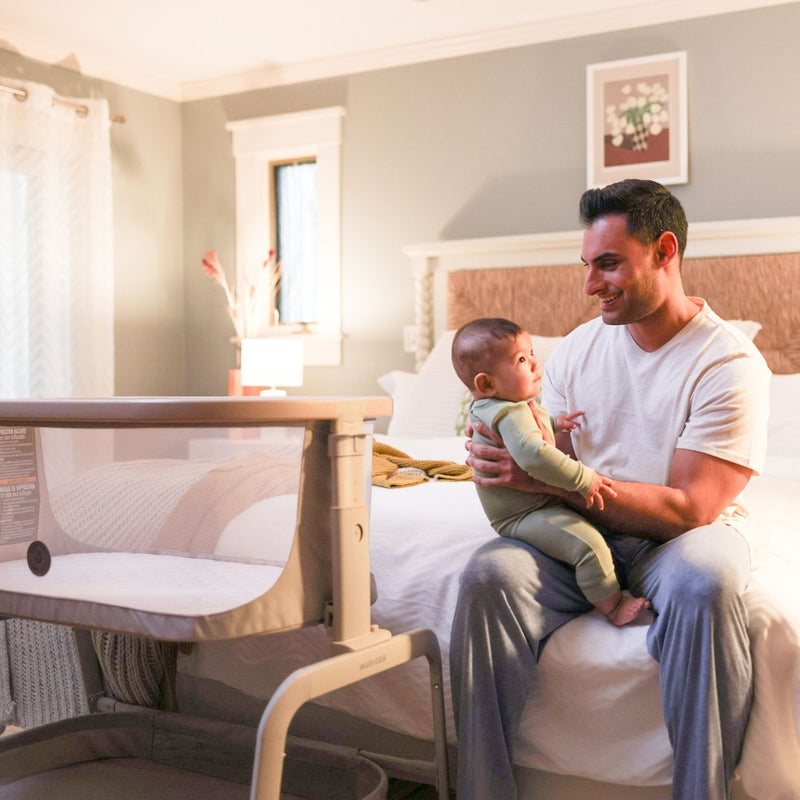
<point>636,120</point>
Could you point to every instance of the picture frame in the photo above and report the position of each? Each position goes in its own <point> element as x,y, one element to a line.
<point>636,120</point>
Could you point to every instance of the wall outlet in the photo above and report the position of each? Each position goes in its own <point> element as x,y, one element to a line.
<point>409,338</point>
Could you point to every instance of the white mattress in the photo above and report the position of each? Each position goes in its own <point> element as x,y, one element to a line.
<point>422,536</point>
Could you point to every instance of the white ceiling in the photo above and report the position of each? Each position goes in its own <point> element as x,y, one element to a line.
<point>188,49</point>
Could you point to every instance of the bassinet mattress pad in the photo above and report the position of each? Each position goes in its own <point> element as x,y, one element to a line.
<point>105,590</point>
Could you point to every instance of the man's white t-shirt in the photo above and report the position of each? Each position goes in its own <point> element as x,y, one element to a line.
<point>707,389</point>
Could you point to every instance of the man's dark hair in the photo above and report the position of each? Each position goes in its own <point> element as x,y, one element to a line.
<point>649,209</point>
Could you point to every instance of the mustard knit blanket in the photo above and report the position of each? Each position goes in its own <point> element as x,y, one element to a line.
<point>393,468</point>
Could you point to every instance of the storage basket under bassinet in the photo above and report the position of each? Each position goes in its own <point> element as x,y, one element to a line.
<point>167,756</point>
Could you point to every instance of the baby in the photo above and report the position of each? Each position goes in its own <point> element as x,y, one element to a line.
<point>495,360</point>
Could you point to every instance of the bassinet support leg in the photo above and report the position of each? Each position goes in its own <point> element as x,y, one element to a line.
<point>336,672</point>
<point>351,627</point>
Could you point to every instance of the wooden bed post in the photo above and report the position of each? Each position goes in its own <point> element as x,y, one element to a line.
<point>422,271</point>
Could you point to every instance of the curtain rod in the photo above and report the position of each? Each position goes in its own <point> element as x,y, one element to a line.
<point>80,109</point>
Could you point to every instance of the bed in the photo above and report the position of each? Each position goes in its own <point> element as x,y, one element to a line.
<point>750,272</point>
<point>423,534</point>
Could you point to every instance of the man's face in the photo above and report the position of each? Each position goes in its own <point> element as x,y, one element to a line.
<point>622,272</point>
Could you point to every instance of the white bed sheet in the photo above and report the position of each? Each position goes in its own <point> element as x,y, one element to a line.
<point>595,699</point>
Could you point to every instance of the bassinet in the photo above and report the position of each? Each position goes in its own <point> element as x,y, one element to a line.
<point>137,516</point>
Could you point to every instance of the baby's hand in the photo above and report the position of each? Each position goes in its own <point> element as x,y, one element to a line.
<point>601,487</point>
<point>565,423</point>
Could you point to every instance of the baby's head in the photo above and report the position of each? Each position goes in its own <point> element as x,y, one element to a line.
<point>493,358</point>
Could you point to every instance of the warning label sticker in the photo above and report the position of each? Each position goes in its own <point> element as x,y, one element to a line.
<point>19,485</point>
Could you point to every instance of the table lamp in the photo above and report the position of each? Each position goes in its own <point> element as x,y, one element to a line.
<point>272,362</point>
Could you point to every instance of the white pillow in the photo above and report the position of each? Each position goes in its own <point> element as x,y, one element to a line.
<point>398,384</point>
<point>783,429</point>
<point>263,531</point>
<point>748,327</point>
<point>433,402</point>
<point>430,405</point>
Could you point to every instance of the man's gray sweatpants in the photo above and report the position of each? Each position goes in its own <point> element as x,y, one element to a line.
<point>512,597</point>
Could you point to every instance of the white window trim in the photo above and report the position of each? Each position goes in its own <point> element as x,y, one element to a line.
<point>257,142</point>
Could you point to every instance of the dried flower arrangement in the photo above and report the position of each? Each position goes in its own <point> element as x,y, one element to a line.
<point>256,310</point>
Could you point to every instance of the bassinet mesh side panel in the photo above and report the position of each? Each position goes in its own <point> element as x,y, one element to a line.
<point>154,532</point>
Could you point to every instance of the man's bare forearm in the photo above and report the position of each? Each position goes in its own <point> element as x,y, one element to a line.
<point>699,488</point>
<point>652,512</point>
<point>639,509</point>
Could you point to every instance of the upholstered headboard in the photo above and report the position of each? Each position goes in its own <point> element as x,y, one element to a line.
<point>550,300</point>
<point>746,269</point>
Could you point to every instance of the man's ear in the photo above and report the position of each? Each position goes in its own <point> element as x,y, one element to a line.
<point>484,385</point>
<point>667,247</point>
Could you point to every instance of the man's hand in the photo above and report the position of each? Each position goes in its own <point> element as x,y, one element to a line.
<point>499,468</point>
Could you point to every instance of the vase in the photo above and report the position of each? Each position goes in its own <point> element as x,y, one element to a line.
<point>639,137</point>
<point>235,388</point>
<point>237,343</point>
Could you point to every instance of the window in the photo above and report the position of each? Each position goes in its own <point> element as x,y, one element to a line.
<point>295,239</point>
<point>288,170</point>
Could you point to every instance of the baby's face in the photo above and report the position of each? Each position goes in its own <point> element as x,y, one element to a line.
<point>516,374</point>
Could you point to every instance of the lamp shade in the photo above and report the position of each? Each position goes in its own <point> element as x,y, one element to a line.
<point>272,362</point>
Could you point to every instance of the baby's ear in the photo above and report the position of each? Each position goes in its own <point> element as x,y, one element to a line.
<point>484,384</point>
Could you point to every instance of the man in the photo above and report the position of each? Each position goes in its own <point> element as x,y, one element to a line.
<point>675,408</point>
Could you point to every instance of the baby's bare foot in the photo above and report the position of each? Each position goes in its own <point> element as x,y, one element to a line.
<point>627,609</point>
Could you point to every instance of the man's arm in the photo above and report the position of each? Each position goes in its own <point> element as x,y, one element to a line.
<point>699,488</point>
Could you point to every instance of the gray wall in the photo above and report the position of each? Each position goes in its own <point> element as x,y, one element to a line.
<point>489,145</point>
<point>149,329</point>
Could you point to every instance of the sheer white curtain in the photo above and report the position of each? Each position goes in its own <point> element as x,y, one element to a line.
<point>56,250</point>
